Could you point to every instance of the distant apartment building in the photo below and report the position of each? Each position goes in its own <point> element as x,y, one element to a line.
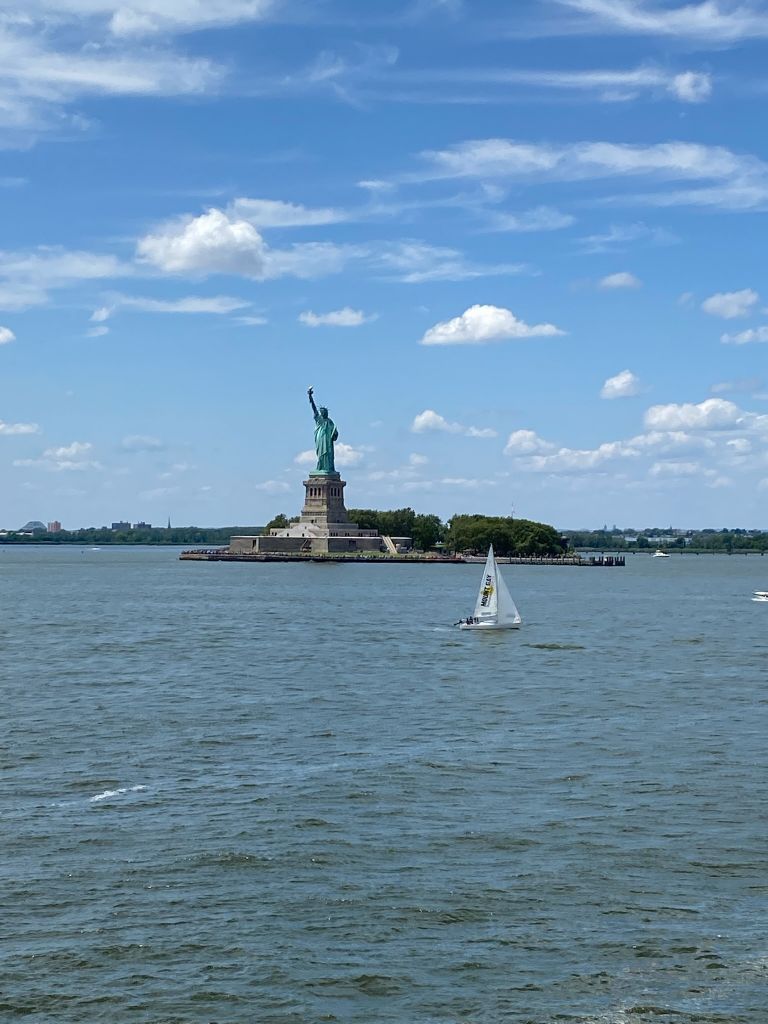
<point>120,526</point>
<point>54,527</point>
<point>142,526</point>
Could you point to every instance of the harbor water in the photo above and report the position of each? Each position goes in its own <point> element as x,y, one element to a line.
<point>285,794</point>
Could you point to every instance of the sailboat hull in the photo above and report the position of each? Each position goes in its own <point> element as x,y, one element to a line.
<point>485,626</point>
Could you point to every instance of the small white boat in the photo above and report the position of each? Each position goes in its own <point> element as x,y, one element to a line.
<point>658,553</point>
<point>760,595</point>
<point>494,608</point>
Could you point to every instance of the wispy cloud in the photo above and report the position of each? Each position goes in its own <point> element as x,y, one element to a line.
<point>712,22</point>
<point>191,304</point>
<point>346,317</point>
<point>622,279</point>
<point>716,176</point>
<point>730,305</point>
<point>26,278</point>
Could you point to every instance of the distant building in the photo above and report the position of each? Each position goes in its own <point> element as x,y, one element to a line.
<point>33,526</point>
<point>54,527</point>
<point>120,526</point>
<point>142,526</point>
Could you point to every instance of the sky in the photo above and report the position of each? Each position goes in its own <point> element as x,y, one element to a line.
<point>517,248</point>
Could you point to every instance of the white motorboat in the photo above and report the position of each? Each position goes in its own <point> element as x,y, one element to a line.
<point>494,608</point>
<point>760,595</point>
<point>658,553</point>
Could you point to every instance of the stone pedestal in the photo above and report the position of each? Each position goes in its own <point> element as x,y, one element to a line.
<point>324,500</point>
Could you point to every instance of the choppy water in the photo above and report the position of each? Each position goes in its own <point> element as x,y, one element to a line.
<point>275,793</point>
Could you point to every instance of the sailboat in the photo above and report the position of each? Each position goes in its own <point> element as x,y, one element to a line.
<point>494,608</point>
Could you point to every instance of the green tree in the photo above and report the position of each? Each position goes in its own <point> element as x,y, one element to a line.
<point>427,530</point>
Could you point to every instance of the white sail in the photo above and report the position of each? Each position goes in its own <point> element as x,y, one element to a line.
<point>487,604</point>
<point>507,610</point>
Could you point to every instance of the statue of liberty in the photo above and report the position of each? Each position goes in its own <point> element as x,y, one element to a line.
<point>325,435</point>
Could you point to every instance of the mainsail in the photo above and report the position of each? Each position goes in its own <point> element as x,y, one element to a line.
<point>508,613</point>
<point>487,604</point>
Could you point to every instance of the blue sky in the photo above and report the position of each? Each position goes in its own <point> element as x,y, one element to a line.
<point>517,248</point>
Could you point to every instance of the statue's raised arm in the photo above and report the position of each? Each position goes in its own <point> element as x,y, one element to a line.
<point>325,435</point>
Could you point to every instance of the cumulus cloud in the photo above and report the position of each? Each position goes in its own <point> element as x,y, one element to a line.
<point>730,305</point>
<point>63,458</point>
<point>218,243</point>
<point>6,335</point>
<point>619,280</point>
<point>623,385</point>
<point>745,337</point>
<point>675,469</point>
<point>429,420</point>
<point>711,414</point>
<point>10,429</point>
<point>526,442</point>
<point>480,325</point>
<point>345,317</point>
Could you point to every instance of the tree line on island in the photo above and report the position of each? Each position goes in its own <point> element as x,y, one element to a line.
<point>461,533</point>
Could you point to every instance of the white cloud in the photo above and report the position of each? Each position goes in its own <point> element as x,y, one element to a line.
<point>745,337</point>
<point>692,86</point>
<point>729,305</point>
<point>576,460</point>
<point>68,451</point>
<point>274,213</point>
<point>6,335</point>
<point>416,262</point>
<point>623,385</point>
<point>479,325</point>
<point>430,420</point>
<point>148,17</point>
<point>526,442</point>
<point>708,21</point>
<point>141,443</point>
<point>711,414</point>
<point>618,237</point>
<point>64,458</point>
<point>9,429</point>
<point>215,304</point>
<point>675,469</point>
<point>45,71</point>
<point>723,178</point>
<point>619,280</point>
<point>542,218</point>
<point>216,243</point>
<point>414,459</point>
<point>345,317</point>
<point>96,332</point>
<point>27,277</point>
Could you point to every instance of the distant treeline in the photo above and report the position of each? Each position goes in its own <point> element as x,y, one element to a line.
<point>463,533</point>
<point>691,540</point>
<point>100,535</point>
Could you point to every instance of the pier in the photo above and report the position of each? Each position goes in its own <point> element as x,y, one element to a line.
<point>370,558</point>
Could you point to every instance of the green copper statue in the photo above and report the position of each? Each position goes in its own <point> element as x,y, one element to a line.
<point>325,434</point>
